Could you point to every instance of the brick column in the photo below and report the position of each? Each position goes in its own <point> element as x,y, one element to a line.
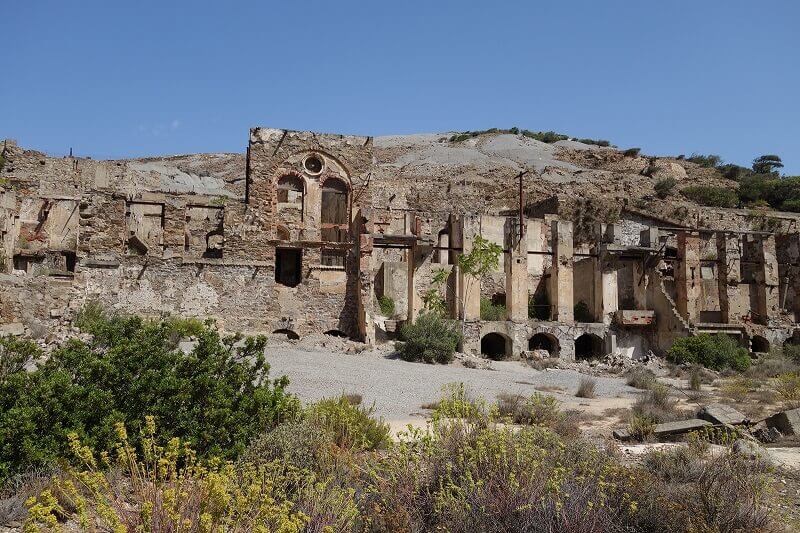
<point>561,297</point>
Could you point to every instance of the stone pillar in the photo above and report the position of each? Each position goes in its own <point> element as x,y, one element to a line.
<point>468,286</point>
<point>729,276</point>
<point>366,288</point>
<point>687,275</point>
<point>414,304</point>
<point>606,293</point>
<point>516,269</point>
<point>768,284</point>
<point>561,297</point>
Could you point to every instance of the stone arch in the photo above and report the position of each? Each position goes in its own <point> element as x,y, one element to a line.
<point>588,346</point>
<point>545,341</point>
<point>496,345</point>
<point>759,344</point>
<point>289,334</point>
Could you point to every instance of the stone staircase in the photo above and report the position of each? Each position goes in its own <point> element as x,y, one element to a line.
<point>674,308</point>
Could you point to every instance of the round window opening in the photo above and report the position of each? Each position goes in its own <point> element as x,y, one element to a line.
<point>313,164</point>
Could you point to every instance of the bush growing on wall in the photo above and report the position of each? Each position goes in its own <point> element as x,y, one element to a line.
<point>386,305</point>
<point>217,397</point>
<point>491,311</point>
<point>712,351</point>
<point>431,338</point>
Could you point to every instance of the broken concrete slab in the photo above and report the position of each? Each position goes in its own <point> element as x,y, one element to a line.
<point>787,422</point>
<point>668,429</point>
<point>718,413</point>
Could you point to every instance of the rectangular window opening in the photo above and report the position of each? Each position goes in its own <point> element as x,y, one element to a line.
<point>288,266</point>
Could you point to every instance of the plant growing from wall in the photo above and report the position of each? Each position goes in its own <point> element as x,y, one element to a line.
<point>386,305</point>
<point>482,259</point>
<point>432,299</point>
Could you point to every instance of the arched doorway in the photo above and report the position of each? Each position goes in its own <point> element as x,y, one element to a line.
<point>496,346</point>
<point>759,344</point>
<point>545,341</point>
<point>588,346</point>
<point>289,334</point>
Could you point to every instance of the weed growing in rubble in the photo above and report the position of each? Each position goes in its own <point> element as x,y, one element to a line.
<point>586,388</point>
<point>788,388</point>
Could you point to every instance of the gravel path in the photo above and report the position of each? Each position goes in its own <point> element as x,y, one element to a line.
<point>399,388</point>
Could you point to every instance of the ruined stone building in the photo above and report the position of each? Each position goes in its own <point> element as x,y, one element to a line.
<point>305,232</point>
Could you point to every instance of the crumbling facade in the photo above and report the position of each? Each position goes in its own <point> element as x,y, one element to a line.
<point>303,235</point>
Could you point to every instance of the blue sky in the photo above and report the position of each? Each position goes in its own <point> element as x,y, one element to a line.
<point>125,79</point>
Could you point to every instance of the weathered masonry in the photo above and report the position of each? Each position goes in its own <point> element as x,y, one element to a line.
<point>303,236</point>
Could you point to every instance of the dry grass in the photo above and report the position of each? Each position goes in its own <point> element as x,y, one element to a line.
<point>586,389</point>
<point>353,398</point>
<point>640,378</point>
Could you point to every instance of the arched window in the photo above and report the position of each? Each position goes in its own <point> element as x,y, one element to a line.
<point>759,344</point>
<point>291,191</point>
<point>334,210</point>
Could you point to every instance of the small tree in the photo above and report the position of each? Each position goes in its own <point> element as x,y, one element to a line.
<point>767,164</point>
<point>482,259</point>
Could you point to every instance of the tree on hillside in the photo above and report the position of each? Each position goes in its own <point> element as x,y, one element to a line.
<point>767,164</point>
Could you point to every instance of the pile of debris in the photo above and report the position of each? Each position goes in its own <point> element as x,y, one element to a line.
<point>725,419</point>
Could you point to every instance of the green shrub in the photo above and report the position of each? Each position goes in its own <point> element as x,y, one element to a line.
<point>664,187</point>
<point>92,315</point>
<point>15,353</point>
<point>641,427</point>
<point>631,152</point>
<point>545,136</point>
<point>431,338</point>
<point>538,410</point>
<point>596,142</point>
<point>490,311</point>
<point>386,304</point>
<point>218,397</point>
<point>709,161</point>
<point>350,426</point>
<point>712,351</point>
<point>711,196</point>
<point>298,443</point>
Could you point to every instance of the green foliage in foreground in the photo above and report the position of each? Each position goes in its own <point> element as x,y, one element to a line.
<point>712,351</point>
<point>431,338</point>
<point>217,397</point>
<point>470,471</point>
